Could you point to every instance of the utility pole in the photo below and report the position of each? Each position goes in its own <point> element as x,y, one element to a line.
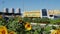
<point>3,8</point>
<point>23,5</point>
<point>3,3</point>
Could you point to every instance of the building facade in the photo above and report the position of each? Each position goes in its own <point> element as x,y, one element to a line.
<point>42,13</point>
<point>34,13</point>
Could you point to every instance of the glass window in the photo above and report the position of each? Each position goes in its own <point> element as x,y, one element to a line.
<point>44,12</point>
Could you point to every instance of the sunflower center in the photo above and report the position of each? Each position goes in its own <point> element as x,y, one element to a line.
<point>28,26</point>
<point>3,32</point>
<point>11,33</point>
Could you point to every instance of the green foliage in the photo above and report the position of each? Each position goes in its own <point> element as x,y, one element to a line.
<point>44,20</point>
<point>26,19</point>
<point>13,24</point>
<point>36,20</point>
<point>55,21</point>
<point>52,21</point>
<point>58,21</point>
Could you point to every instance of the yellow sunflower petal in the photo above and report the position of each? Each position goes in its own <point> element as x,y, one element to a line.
<point>0,16</point>
<point>58,31</point>
<point>3,30</point>
<point>55,32</point>
<point>12,32</point>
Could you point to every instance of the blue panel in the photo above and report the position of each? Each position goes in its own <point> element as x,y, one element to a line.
<point>44,12</point>
<point>56,16</point>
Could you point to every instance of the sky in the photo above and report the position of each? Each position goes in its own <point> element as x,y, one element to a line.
<point>30,4</point>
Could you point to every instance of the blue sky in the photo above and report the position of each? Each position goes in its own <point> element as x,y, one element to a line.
<point>30,4</point>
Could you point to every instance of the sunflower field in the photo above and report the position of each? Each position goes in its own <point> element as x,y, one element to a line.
<point>16,25</point>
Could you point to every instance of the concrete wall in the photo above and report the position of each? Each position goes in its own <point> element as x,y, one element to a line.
<point>34,13</point>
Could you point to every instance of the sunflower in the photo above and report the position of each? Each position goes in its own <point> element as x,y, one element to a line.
<point>0,16</point>
<point>55,32</point>
<point>58,31</point>
<point>3,30</point>
<point>12,32</point>
<point>28,26</point>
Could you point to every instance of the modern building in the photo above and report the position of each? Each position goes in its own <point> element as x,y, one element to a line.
<point>18,11</point>
<point>34,13</point>
<point>10,12</point>
<point>42,13</point>
<point>54,13</point>
<point>5,10</point>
